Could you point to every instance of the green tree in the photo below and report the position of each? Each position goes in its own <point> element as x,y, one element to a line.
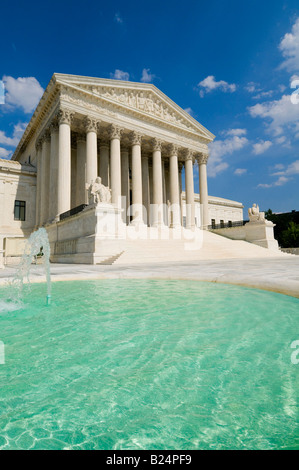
<point>290,237</point>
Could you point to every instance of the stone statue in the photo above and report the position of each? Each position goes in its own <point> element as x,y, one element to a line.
<point>255,215</point>
<point>97,192</point>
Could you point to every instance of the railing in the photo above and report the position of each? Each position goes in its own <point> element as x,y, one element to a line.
<point>238,223</point>
<point>73,211</point>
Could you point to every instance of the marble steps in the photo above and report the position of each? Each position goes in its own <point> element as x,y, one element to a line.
<point>213,247</point>
<point>109,261</point>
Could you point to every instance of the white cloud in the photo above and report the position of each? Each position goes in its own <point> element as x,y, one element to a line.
<point>22,92</point>
<point>279,114</point>
<point>209,84</point>
<point>290,170</point>
<point>263,94</point>
<point>280,182</point>
<point>221,148</point>
<point>240,171</point>
<point>237,132</point>
<point>4,153</point>
<point>284,175</point>
<point>279,166</point>
<point>189,111</point>
<point>293,168</point>
<point>252,87</point>
<point>17,134</point>
<point>147,77</point>
<point>117,18</point>
<point>282,114</point>
<point>282,88</point>
<point>289,47</point>
<point>120,75</point>
<point>261,147</point>
<point>281,140</point>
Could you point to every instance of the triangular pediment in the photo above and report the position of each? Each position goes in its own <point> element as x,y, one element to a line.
<point>142,98</point>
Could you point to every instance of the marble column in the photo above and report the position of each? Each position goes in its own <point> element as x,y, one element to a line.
<point>54,169</point>
<point>157,184</point>
<point>189,184</point>
<point>64,162</point>
<point>150,176</point>
<point>38,181</point>
<point>115,164</point>
<point>91,149</point>
<point>73,173</point>
<point>164,198</point>
<point>174,187</point>
<point>203,190</point>
<point>181,165</point>
<point>145,190</point>
<point>125,184</point>
<point>81,192</point>
<point>45,183</point>
<point>136,179</point>
<point>104,163</point>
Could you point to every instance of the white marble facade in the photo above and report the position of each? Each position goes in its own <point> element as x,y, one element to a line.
<point>130,134</point>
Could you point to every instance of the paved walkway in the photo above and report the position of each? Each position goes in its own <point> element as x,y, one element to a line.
<point>274,274</point>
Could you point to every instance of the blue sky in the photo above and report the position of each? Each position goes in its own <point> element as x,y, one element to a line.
<point>230,64</point>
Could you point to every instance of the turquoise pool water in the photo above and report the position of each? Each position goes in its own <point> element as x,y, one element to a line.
<point>127,364</point>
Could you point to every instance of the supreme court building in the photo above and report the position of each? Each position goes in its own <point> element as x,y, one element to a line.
<point>137,140</point>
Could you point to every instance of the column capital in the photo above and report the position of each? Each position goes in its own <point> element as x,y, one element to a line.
<point>54,127</point>
<point>173,150</point>
<point>46,136</point>
<point>115,131</point>
<point>189,154</point>
<point>202,158</point>
<point>65,116</point>
<point>156,144</point>
<point>90,124</point>
<point>135,138</point>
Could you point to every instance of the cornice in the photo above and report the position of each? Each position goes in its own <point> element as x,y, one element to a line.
<point>69,94</point>
<point>91,85</point>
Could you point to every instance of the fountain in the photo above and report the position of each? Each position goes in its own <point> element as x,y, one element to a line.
<point>37,246</point>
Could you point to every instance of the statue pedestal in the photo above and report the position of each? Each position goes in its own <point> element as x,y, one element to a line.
<point>109,222</point>
<point>1,259</point>
<point>1,254</point>
<point>91,236</point>
<point>261,233</point>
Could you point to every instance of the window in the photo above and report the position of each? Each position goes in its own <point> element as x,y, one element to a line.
<point>230,224</point>
<point>213,223</point>
<point>20,210</point>
<point>222,223</point>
